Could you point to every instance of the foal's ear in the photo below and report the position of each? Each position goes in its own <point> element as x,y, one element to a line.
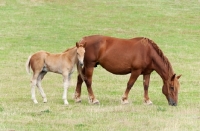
<point>179,76</point>
<point>77,44</point>
<point>173,77</point>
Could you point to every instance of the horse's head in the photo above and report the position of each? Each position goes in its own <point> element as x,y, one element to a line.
<point>171,92</point>
<point>80,52</point>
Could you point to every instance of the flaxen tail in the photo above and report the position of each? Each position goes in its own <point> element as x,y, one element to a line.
<point>28,64</point>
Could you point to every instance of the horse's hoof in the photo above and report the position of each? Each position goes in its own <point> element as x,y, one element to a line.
<point>45,100</point>
<point>124,102</point>
<point>66,102</point>
<point>96,102</point>
<point>35,101</point>
<point>148,102</point>
<point>78,100</point>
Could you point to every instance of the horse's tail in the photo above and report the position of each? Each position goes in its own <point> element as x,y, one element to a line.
<point>28,64</point>
<point>79,68</point>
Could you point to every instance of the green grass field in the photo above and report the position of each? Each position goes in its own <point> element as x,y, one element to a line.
<point>27,26</point>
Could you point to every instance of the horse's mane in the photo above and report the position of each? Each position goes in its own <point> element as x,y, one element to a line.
<point>69,49</point>
<point>161,54</point>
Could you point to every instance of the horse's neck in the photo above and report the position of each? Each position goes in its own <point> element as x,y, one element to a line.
<point>163,68</point>
<point>72,55</point>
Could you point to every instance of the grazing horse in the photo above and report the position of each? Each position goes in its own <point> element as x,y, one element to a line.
<point>63,63</point>
<point>138,56</point>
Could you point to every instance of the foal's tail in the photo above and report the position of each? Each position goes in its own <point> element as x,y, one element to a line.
<point>79,68</point>
<point>28,64</point>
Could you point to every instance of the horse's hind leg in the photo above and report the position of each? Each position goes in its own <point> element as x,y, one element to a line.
<point>33,85</point>
<point>39,79</point>
<point>132,79</point>
<point>146,79</point>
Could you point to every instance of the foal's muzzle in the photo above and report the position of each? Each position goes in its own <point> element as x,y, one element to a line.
<point>80,63</point>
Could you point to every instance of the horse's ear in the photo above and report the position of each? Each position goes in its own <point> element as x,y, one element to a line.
<point>179,76</point>
<point>77,44</point>
<point>173,77</point>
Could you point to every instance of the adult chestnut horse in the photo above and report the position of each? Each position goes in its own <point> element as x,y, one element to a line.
<point>138,56</point>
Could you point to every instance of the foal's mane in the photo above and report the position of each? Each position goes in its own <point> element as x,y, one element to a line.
<point>161,54</point>
<point>69,49</point>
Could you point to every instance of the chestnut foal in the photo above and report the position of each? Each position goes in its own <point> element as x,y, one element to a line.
<point>62,63</point>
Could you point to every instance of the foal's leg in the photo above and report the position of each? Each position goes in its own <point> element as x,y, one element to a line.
<point>66,83</point>
<point>88,82</point>
<point>33,85</point>
<point>132,79</point>
<point>146,79</point>
<point>39,79</point>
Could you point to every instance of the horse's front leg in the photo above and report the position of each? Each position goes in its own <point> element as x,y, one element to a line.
<point>40,77</point>
<point>88,82</point>
<point>146,79</point>
<point>132,79</point>
<point>77,94</point>
<point>66,83</point>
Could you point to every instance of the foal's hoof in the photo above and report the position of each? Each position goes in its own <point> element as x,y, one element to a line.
<point>66,102</point>
<point>124,102</point>
<point>148,102</point>
<point>45,100</point>
<point>35,101</point>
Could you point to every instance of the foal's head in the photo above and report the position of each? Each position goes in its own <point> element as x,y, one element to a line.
<point>80,52</point>
<point>173,88</point>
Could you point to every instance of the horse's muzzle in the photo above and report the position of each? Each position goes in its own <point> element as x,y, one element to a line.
<point>81,64</point>
<point>172,102</point>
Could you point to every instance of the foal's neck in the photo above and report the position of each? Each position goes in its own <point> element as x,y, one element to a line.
<point>72,54</point>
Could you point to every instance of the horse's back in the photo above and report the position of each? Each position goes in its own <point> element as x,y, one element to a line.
<point>39,55</point>
<point>98,42</point>
<point>116,55</point>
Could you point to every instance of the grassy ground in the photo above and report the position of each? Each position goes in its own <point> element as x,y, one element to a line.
<point>29,26</point>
